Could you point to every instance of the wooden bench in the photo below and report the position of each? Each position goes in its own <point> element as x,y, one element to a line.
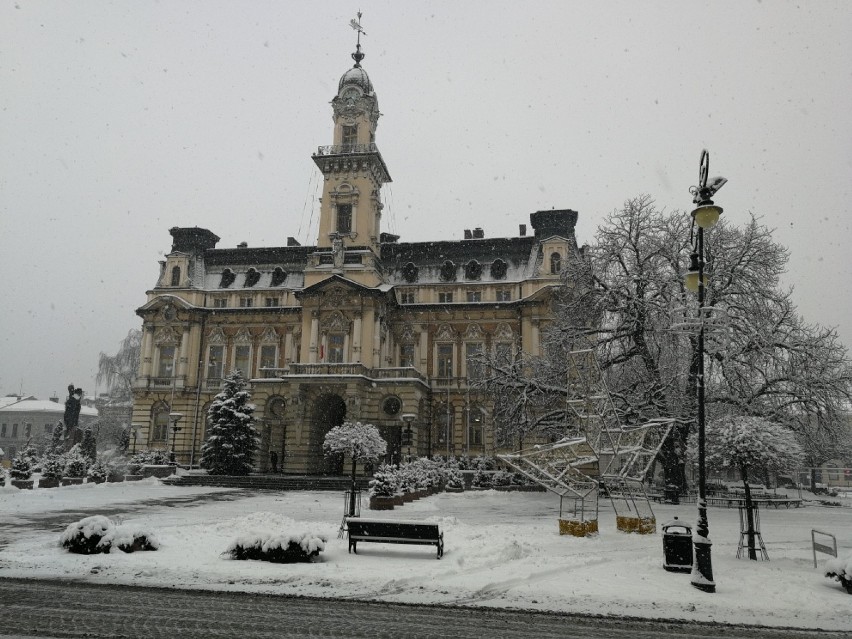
<point>393,532</point>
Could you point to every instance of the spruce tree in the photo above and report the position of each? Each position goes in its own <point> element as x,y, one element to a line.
<point>89,447</point>
<point>57,440</point>
<point>233,439</point>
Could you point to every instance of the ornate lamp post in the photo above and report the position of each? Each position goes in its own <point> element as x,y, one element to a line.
<point>134,431</point>
<point>407,434</point>
<point>705,216</point>
<point>174,418</point>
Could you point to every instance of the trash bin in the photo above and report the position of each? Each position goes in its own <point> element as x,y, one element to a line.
<point>677,546</point>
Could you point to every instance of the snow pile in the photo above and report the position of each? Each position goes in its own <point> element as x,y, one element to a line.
<point>97,534</point>
<point>841,569</point>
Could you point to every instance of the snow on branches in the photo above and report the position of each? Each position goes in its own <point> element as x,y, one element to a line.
<point>233,440</point>
<point>356,440</point>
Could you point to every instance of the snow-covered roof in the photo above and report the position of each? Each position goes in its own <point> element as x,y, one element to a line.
<point>31,405</point>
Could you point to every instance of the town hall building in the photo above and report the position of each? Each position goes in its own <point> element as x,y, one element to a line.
<point>361,326</point>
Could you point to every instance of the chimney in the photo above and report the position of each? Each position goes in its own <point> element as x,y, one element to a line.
<point>54,399</point>
<point>523,229</point>
<point>478,233</point>
<point>292,241</point>
<point>467,234</point>
<point>242,245</point>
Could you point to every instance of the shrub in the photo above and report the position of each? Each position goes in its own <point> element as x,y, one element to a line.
<point>384,482</point>
<point>454,479</point>
<point>75,464</point>
<point>501,478</point>
<point>280,549</point>
<point>97,534</point>
<point>840,569</point>
<point>482,479</point>
<point>98,471</point>
<point>21,468</point>
<point>52,467</point>
<point>150,458</point>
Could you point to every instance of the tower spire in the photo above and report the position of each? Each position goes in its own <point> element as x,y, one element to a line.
<point>357,56</point>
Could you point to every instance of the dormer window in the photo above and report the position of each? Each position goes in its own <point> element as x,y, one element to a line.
<point>228,278</point>
<point>344,218</point>
<point>473,270</point>
<point>278,276</point>
<point>498,269</point>
<point>448,271</point>
<point>252,277</point>
<point>409,272</point>
<point>176,276</point>
<point>555,263</point>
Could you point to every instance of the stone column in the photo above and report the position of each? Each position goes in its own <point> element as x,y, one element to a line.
<point>356,339</point>
<point>313,345</point>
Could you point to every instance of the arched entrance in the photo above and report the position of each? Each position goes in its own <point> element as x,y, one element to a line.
<point>329,411</point>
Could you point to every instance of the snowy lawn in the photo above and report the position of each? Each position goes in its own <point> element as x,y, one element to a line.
<point>501,550</point>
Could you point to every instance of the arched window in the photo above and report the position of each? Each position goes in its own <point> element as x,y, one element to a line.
<point>448,271</point>
<point>278,276</point>
<point>252,277</point>
<point>228,278</point>
<point>555,263</point>
<point>473,270</point>
<point>176,276</point>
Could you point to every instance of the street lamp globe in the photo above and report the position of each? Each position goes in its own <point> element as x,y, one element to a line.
<point>706,215</point>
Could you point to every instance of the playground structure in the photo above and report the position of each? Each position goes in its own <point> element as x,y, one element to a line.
<point>601,457</point>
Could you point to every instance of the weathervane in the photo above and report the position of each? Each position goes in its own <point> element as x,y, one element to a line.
<point>356,24</point>
<point>702,193</point>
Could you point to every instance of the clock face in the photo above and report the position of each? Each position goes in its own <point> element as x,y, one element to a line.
<point>351,94</point>
<point>169,312</point>
<point>392,405</point>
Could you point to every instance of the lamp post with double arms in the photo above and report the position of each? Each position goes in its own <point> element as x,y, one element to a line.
<point>704,216</point>
<point>174,418</point>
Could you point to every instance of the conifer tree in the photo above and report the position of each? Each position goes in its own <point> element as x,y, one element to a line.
<point>89,447</point>
<point>233,439</point>
<point>57,440</point>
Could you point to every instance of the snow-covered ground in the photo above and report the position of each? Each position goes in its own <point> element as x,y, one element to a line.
<point>501,550</point>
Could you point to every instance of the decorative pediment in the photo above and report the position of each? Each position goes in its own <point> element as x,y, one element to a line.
<point>336,297</point>
<point>407,335</point>
<point>166,335</point>
<point>243,336</point>
<point>335,322</point>
<point>474,331</point>
<point>269,335</point>
<point>504,333</point>
<point>445,333</point>
<point>217,336</point>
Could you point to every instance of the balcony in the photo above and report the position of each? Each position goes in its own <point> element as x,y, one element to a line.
<point>347,149</point>
<point>163,382</point>
<point>344,369</point>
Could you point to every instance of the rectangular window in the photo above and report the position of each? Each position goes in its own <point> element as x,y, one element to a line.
<point>407,298</point>
<point>271,301</point>
<point>445,425</point>
<point>14,431</point>
<point>166,366</point>
<point>246,302</point>
<point>473,360</point>
<point>475,432</point>
<point>503,295</point>
<point>335,348</point>
<point>268,356</point>
<point>350,135</point>
<point>215,362</point>
<point>48,429</point>
<point>445,298</point>
<point>503,353</point>
<point>28,430</point>
<point>160,427</point>
<point>242,358</point>
<point>445,360</point>
<point>406,355</point>
<point>474,296</point>
<point>3,430</point>
<point>220,302</point>
<point>344,218</point>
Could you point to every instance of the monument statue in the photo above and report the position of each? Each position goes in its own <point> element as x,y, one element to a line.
<point>71,418</point>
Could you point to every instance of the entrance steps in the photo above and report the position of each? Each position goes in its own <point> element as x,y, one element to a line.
<point>269,482</point>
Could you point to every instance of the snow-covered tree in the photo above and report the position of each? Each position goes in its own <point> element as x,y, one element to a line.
<point>21,467</point>
<point>749,445</point>
<point>76,463</point>
<point>384,482</point>
<point>89,447</point>
<point>233,439</point>
<point>360,442</point>
<point>625,296</point>
<point>118,371</point>
<point>57,440</point>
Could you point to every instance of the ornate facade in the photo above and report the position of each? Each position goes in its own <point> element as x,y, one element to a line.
<point>360,326</point>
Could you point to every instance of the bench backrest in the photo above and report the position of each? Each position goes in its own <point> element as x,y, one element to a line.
<point>392,529</point>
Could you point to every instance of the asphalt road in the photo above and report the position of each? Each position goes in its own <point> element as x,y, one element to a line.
<point>68,609</point>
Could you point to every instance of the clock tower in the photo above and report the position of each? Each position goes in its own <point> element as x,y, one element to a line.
<point>353,172</point>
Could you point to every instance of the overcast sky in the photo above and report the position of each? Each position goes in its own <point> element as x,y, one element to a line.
<point>119,120</point>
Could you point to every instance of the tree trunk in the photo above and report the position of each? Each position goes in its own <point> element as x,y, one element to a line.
<point>752,553</point>
<point>352,490</point>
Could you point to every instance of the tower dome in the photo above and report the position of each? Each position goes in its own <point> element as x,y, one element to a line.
<point>356,76</point>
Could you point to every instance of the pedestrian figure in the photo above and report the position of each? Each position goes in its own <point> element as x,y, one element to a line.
<point>273,460</point>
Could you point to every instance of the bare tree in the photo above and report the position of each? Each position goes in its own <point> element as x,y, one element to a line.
<point>119,371</point>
